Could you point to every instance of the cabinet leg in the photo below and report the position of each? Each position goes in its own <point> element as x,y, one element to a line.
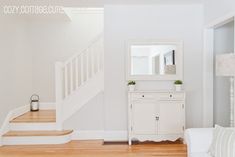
<point>129,142</point>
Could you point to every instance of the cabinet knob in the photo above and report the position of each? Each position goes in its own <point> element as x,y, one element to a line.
<point>171,96</point>
<point>157,118</point>
<point>143,96</point>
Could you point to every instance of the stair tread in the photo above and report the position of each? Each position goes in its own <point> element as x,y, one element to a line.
<point>42,116</point>
<point>38,133</point>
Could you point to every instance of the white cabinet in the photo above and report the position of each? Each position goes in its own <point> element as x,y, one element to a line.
<point>156,116</point>
<point>171,118</point>
<point>144,123</point>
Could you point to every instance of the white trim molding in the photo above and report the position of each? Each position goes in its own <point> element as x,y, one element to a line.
<point>88,135</point>
<point>115,136</point>
<point>208,74</point>
<point>221,21</point>
<point>100,135</point>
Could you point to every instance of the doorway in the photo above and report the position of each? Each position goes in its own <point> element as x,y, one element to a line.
<point>223,43</point>
<point>218,39</point>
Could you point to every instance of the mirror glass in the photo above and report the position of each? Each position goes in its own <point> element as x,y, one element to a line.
<point>157,59</point>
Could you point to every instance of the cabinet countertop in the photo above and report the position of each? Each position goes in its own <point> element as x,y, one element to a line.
<point>156,91</point>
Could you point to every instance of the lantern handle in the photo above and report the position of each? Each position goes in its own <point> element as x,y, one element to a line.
<point>31,98</point>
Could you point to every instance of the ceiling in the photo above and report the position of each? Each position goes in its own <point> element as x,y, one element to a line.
<point>153,2</point>
<point>96,3</point>
<point>84,3</point>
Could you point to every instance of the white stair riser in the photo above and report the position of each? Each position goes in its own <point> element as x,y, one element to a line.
<point>32,126</point>
<point>35,140</point>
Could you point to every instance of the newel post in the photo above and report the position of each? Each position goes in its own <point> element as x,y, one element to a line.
<point>58,93</point>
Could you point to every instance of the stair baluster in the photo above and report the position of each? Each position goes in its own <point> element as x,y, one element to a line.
<point>77,71</point>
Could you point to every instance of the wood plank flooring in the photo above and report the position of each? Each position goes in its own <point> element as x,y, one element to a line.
<point>42,116</point>
<point>38,133</point>
<point>95,149</point>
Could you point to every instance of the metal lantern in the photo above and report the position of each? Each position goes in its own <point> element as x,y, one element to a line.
<point>34,102</point>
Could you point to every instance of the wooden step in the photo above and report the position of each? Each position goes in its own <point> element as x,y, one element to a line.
<point>37,133</point>
<point>36,137</point>
<point>42,116</point>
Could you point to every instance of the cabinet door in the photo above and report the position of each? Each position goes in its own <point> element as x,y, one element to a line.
<point>171,118</point>
<point>143,116</point>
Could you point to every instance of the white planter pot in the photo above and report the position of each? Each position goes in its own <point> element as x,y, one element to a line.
<point>178,88</point>
<point>131,87</point>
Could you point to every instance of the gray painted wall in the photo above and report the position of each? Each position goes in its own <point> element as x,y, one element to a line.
<point>214,9</point>
<point>15,65</point>
<point>122,23</point>
<point>90,117</point>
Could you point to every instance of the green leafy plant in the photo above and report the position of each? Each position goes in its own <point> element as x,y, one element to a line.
<point>131,83</point>
<point>178,82</point>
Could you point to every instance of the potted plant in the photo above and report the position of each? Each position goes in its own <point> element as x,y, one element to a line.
<point>178,85</point>
<point>131,85</point>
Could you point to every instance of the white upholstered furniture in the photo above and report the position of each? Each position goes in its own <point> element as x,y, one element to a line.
<point>198,141</point>
<point>156,115</point>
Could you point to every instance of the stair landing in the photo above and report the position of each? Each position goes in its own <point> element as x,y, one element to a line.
<point>35,128</point>
<point>42,116</point>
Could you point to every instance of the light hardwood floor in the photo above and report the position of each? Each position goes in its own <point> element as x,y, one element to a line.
<point>95,149</point>
<point>42,116</point>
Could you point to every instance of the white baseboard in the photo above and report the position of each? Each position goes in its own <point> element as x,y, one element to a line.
<point>88,135</point>
<point>100,135</point>
<point>47,106</point>
<point>115,136</point>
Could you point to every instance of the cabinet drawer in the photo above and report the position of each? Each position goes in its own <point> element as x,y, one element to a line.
<point>171,96</point>
<point>143,96</point>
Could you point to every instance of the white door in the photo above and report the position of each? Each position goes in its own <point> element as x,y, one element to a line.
<point>144,115</point>
<point>171,118</point>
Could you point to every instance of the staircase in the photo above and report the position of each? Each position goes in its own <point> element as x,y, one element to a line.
<point>35,128</point>
<point>77,80</point>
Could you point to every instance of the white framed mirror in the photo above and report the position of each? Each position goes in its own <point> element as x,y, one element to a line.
<point>155,60</point>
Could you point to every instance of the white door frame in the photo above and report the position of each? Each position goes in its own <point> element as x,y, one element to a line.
<point>208,63</point>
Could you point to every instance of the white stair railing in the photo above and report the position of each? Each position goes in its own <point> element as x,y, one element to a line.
<point>76,71</point>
